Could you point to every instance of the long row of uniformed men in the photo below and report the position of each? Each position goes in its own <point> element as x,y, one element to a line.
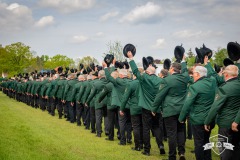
<point>142,102</point>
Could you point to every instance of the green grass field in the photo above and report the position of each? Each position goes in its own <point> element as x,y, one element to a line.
<point>28,133</point>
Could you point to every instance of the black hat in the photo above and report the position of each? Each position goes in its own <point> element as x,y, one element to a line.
<point>197,60</point>
<point>53,71</point>
<point>75,70</point>
<point>147,61</point>
<point>166,64</point>
<point>81,66</point>
<point>95,73</point>
<point>108,59</point>
<point>129,47</point>
<point>178,53</point>
<point>227,62</point>
<point>84,71</point>
<point>233,49</point>
<point>217,68</point>
<point>60,69</point>
<point>89,70</point>
<point>99,68</point>
<point>67,68</point>
<point>119,65</point>
<point>35,71</point>
<point>126,64</point>
<point>200,55</point>
<point>92,66</point>
<point>72,70</point>
<point>207,52</point>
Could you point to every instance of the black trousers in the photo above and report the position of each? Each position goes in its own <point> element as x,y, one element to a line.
<point>79,113</point>
<point>71,111</point>
<point>99,116</point>
<point>175,133</point>
<point>87,119</point>
<point>48,105</point>
<point>112,113</point>
<point>53,103</point>
<point>201,137</point>
<point>234,139</point>
<point>42,103</point>
<point>150,122</point>
<point>106,128</point>
<point>125,126</point>
<point>93,119</point>
<point>189,129</point>
<point>59,107</point>
<point>137,130</point>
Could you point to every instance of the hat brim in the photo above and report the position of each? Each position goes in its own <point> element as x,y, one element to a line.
<point>145,63</point>
<point>217,68</point>
<point>167,64</point>
<point>233,49</point>
<point>227,62</point>
<point>129,47</point>
<point>178,53</point>
<point>199,55</point>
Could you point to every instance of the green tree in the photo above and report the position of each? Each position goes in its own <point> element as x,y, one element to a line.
<point>57,60</point>
<point>190,54</point>
<point>220,55</point>
<point>116,49</point>
<point>17,57</point>
<point>87,60</point>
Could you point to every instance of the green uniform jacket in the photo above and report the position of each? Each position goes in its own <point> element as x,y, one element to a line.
<point>68,90</point>
<point>60,88</point>
<point>237,119</point>
<point>76,89</point>
<point>172,93</point>
<point>131,97</point>
<point>87,91</point>
<point>43,87</point>
<point>51,88</point>
<point>106,95</point>
<point>212,73</point>
<point>148,87</point>
<point>226,104</point>
<point>97,87</point>
<point>119,86</point>
<point>29,86</point>
<point>19,87</point>
<point>90,101</point>
<point>79,96</point>
<point>199,100</point>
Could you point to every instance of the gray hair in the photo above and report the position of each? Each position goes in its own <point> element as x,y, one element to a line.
<point>231,70</point>
<point>56,75</point>
<point>101,73</point>
<point>89,77</point>
<point>201,70</point>
<point>123,72</point>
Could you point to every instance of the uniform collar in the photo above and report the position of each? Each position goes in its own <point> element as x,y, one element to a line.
<point>200,79</point>
<point>232,79</point>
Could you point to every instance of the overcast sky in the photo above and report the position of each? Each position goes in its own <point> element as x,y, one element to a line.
<point>79,28</point>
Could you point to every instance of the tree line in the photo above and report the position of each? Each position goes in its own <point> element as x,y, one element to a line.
<point>18,58</point>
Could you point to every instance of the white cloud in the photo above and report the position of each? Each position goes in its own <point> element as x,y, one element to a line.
<point>160,43</point>
<point>109,15</point>
<point>67,6</point>
<point>99,34</point>
<point>15,17</point>
<point>45,21</point>
<point>188,34</point>
<point>144,13</point>
<point>80,39</point>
